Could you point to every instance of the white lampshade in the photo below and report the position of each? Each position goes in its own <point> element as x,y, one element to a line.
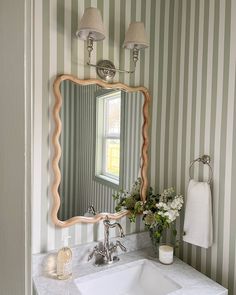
<point>136,35</point>
<point>91,23</point>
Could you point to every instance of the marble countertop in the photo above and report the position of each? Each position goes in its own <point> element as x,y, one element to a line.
<point>191,281</point>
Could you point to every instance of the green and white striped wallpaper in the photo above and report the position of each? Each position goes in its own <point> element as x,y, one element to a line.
<point>190,69</point>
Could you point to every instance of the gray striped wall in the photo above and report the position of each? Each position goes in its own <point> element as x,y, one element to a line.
<point>191,73</point>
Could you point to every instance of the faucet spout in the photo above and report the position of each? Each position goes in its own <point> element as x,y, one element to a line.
<point>122,235</point>
<point>108,225</point>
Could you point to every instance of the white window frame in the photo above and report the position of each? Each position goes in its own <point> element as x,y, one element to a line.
<point>102,136</point>
<point>107,136</point>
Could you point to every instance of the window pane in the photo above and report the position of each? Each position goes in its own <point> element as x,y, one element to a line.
<point>112,164</point>
<point>113,116</point>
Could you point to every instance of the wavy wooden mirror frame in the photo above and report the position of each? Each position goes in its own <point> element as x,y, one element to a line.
<point>57,149</point>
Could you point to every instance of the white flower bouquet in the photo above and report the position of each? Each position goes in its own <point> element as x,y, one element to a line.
<point>159,211</point>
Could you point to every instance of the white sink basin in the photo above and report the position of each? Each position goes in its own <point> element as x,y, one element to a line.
<point>140,277</point>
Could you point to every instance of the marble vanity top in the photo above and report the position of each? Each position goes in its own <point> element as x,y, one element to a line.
<point>191,281</point>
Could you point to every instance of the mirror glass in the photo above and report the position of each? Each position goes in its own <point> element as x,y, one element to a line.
<point>101,147</point>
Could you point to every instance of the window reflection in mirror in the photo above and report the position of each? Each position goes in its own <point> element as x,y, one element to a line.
<point>109,132</point>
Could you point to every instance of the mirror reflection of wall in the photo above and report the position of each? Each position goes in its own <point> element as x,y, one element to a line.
<point>101,133</point>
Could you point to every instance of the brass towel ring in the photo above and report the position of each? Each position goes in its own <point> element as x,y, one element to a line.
<point>205,159</point>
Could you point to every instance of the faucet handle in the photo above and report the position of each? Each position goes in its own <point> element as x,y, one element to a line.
<point>122,235</point>
<point>95,249</point>
<point>121,246</point>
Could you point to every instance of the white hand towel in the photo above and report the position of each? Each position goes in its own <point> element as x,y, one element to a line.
<point>198,215</point>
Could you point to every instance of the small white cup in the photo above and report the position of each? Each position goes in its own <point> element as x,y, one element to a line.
<point>166,254</point>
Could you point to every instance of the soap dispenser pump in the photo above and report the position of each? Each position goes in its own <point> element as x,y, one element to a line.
<point>64,261</point>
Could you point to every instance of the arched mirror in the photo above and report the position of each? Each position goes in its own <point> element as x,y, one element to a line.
<point>100,147</point>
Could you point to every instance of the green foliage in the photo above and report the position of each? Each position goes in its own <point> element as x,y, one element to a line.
<point>130,200</point>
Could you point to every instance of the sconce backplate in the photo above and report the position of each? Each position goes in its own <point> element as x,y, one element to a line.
<point>106,70</point>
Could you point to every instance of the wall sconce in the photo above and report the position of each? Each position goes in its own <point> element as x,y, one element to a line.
<point>91,29</point>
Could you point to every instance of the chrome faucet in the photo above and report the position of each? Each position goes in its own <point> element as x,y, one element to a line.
<point>104,254</point>
<point>91,210</point>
